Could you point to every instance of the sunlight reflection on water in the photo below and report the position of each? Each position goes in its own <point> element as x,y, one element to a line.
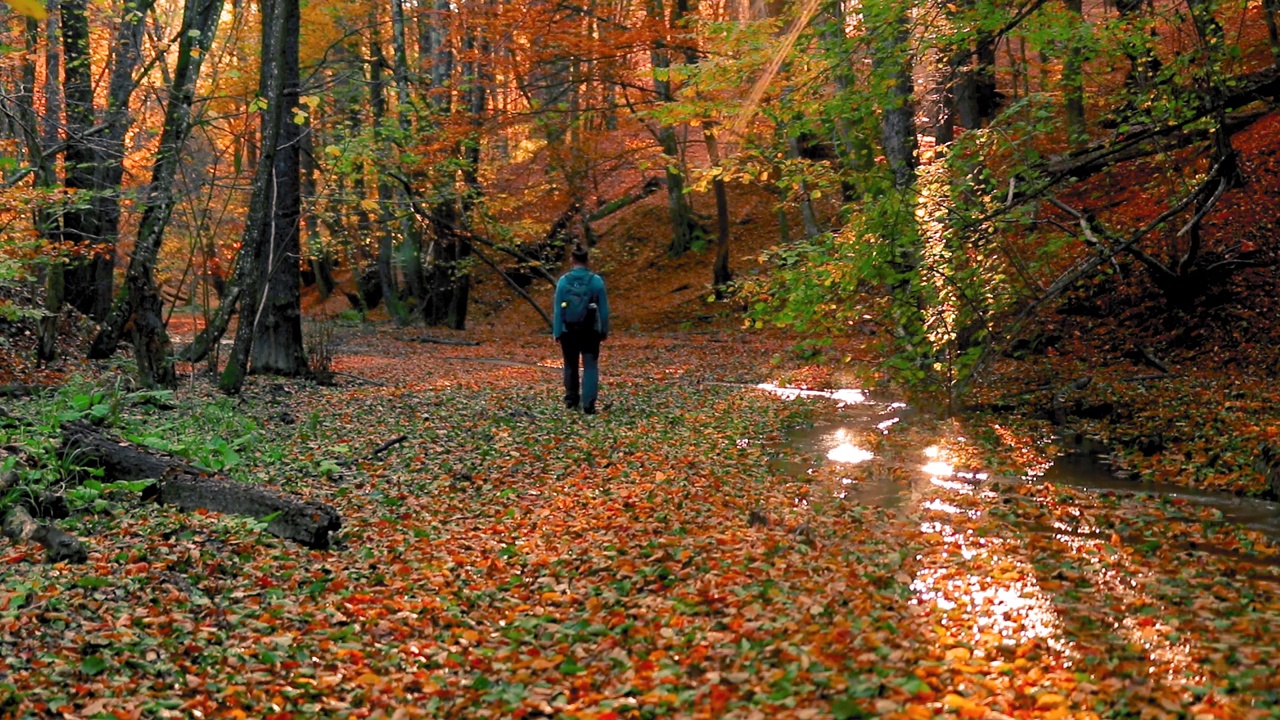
<point>1006,607</point>
<point>849,453</point>
<point>938,469</point>
<point>847,396</point>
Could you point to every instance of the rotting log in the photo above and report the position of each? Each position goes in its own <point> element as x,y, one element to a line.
<point>19,390</point>
<point>120,460</point>
<point>59,545</point>
<point>306,522</point>
<point>189,488</point>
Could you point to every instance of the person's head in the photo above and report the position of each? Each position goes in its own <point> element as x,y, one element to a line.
<point>579,255</point>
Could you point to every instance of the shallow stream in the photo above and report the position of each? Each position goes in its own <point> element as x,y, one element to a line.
<point>851,416</point>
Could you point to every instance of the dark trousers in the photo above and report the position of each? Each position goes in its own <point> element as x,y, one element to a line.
<point>584,344</point>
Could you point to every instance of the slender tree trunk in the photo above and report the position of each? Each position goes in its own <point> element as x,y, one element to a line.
<point>440,49</point>
<point>897,120</point>
<point>891,65</point>
<point>850,148</point>
<point>411,251</point>
<point>125,56</point>
<point>1073,77</point>
<point>262,201</point>
<point>316,249</point>
<point>1270,8</point>
<point>46,177</point>
<point>277,343</point>
<point>807,214</point>
<point>475,90</point>
<point>51,127</point>
<point>88,278</point>
<point>683,225</point>
<point>95,163</point>
<point>441,253</point>
<point>141,300</point>
<point>720,275</point>
<point>386,236</point>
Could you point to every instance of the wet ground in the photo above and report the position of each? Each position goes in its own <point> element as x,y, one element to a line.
<point>1061,584</point>
<point>835,446</point>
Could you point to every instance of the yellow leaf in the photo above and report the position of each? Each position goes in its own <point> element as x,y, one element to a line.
<point>1050,701</point>
<point>956,702</point>
<point>368,679</point>
<point>958,653</point>
<point>30,8</point>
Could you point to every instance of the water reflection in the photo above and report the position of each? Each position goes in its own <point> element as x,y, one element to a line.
<point>845,396</point>
<point>846,451</point>
<point>987,597</point>
<point>849,453</point>
<point>983,591</point>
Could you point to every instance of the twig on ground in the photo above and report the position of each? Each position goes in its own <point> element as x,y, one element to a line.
<point>376,451</point>
<point>365,380</point>
<point>443,341</point>
<point>1152,360</point>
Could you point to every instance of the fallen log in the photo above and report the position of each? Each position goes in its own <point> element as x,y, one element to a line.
<point>60,546</point>
<point>19,390</point>
<point>120,460</point>
<point>302,521</point>
<point>190,488</point>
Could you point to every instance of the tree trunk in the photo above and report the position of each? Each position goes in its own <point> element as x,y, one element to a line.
<point>95,164</point>
<point>720,275</point>
<point>891,65</point>
<point>141,301</point>
<point>475,85</point>
<point>1073,77</point>
<point>1269,10</point>
<point>897,119</point>
<point>277,343</point>
<point>386,216</point>
<point>88,278</point>
<point>317,251</point>
<point>441,254</point>
<point>440,51</point>
<point>262,200</point>
<point>51,127</point>
<point>411,247</point>
<point>807,214</point>
<point>126,52</point>
<point>683,225</point>
<point>46,177</point>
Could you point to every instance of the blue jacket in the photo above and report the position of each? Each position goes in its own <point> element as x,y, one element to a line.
<point>598,296</point>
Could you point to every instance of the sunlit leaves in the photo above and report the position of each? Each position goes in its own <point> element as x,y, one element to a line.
<point>30,8</point>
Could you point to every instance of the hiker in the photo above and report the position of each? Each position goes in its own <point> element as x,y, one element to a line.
<point>581,322</point>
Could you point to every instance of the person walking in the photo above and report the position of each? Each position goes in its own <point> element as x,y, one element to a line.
<point>580,324</point>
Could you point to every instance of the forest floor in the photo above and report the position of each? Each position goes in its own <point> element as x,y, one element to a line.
<point>515,559</point>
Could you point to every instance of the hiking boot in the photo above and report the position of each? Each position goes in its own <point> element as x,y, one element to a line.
<point>588,409</point>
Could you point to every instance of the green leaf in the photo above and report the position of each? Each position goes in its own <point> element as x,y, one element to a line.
<point>570,667</point>
<point>93,582</point>
<point>93,665</point>
<point>848,709</point>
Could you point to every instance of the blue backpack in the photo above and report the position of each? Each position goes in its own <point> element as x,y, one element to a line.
<point>577,310</point>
